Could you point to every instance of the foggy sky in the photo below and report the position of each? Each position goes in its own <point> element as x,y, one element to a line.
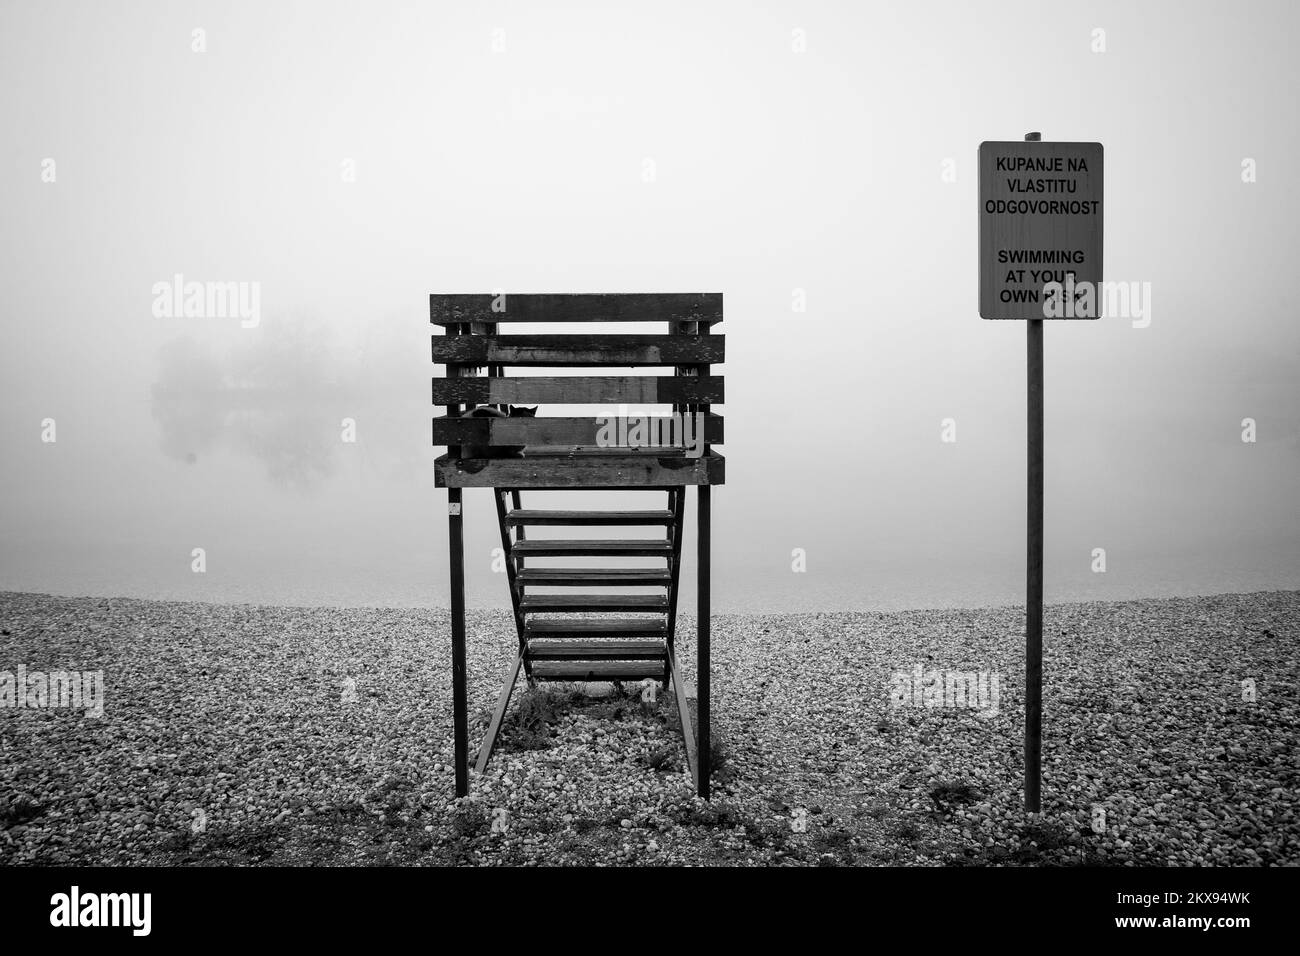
<point>775,171</point>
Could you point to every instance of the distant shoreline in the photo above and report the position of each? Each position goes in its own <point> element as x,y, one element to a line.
<point>685,610</point>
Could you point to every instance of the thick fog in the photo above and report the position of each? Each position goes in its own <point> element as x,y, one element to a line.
<point>813,162</point>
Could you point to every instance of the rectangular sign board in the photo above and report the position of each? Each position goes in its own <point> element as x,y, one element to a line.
<point>1040,230</point>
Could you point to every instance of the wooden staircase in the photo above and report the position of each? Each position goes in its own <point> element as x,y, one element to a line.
<point>621,636</point>
<point>605,644</point>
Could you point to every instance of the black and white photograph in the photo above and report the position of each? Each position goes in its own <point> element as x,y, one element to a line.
<point>854,446</point>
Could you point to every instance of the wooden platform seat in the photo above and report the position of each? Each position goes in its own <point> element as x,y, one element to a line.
<point>617,623</point>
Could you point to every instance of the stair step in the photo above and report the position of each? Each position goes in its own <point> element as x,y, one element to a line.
<point>586,627</point>
<point>594,577</point>
<point>591,547</point>
<point>527,516</point>
<point>594,649</point>
<point>597,670</point>
<point>593,602</point>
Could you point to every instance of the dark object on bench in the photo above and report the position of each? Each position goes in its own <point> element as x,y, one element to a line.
<point>497,411</point>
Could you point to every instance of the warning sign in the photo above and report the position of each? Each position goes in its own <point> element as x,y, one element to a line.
<point>1040,230</point>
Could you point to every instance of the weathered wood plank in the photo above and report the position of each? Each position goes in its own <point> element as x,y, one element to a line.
<point>460,705</point>
<point>593,577</point>
<point>595,471</point>
<point>597,649</point>
<point>703,664</point>
<point>578,390</point>
<point>549,307</point>
<point>591,627</point>
<point>490,738</point>
<point>597,670</point>
<point>677,504</point>
<point>532,516</point>
<point>684,713</point>
<point>577,350</point>
<point>566,431</point>
<point>587,547</point>
<point>591,603</point>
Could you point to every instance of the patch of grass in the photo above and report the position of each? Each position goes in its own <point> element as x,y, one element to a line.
<point>343,812</point>
<point>953,793</point>
<point>528,725</point>
<point>1048,836</point>
<point>773,835</point>
<point>393,794</point>
<point>716,814</point>
<point>469,820</point>
<point>545,824</point>
<point>20,810</point>
<point>721,770</point>
<point>622,703</point>
<point>907,831</point>
<point>834,843</point>
<point>239,846</point>
<point>663,760</point>
<point>1041,844</point>
<point>177,841</point>
<point>1039,839</point>
<point>717,754</point>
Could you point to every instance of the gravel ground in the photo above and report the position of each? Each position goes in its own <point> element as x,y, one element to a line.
<point>247,735</point>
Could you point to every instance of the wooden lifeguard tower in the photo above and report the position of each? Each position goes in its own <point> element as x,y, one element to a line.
<point>511,455</point>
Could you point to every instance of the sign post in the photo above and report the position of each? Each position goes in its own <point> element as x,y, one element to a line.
<point>1040,257</point>
<point>1034,567</point>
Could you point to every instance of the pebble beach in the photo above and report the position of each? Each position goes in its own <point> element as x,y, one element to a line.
<point>253,735</point>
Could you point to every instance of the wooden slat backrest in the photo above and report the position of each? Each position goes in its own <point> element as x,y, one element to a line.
<point>616,307</point>
<point>478,356</point>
